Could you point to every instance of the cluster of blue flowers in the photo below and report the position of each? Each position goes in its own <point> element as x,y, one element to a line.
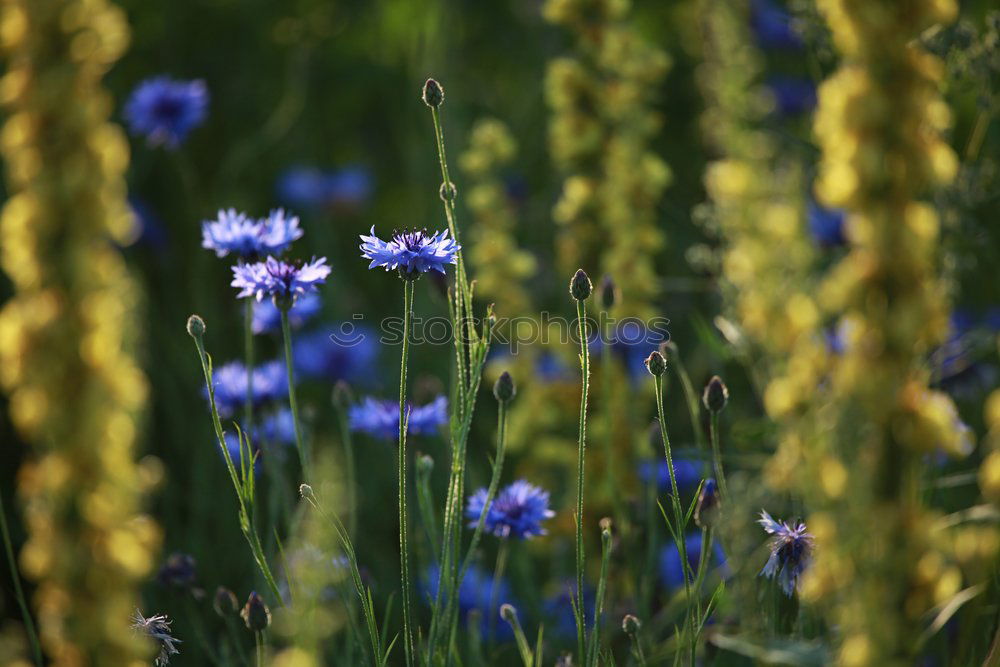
<point>380,418</point>
<point>229,381</point>
<point>517,511</point>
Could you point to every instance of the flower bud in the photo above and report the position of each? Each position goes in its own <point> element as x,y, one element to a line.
<point>580,287</point>
<point>433,94</point>
<point>609,293</point>
<point>342,395</point>
<point>196,327</point>
<point>256,614</point>
<point>707,509</point>
<point>305,491</point>
<point>605,526</point>
<point>504,388</point>
<point>656,364</point>
<point>508,613</point>
<point>225,603</point>
<point>716,394</point>
<point>631,624</point>
<point>425,464</point>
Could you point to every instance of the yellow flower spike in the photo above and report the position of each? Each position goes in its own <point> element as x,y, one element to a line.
<point>62,335</point>
<point>989,476</point>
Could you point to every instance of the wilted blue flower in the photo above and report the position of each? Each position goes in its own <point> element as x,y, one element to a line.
<point>380,419</point>
<point>826,225</point>
<point>687,473</point>
<point>336,352</point>
<point>671,573</point>
<point>249,238</point>
<point>772,26</point>
<point>267,317</point>
<point>791,549</point>
<point>474,593</point>
<point>792,96</point>
<point>165,111</point>
<point>157,628</point>
<point>283,281</point>
<point>517,511</point>
<point>230,382</point>
<point>412,252</point>
<point>308,187</point>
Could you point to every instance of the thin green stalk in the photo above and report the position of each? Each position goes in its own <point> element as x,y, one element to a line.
<point>404,554</point>
<point>498,571</point>
<point>640,657</point>
<point>717,454</point>
<point>581,620</point>
<point>248,353</point>
<point>259,643</point>
<point>675,495</point>
<point>425,504</point>
<point>286,334</point>
<point>352,491</point>
<point>15,576</point>
<point>237,640</point>
<point>690,396</point>
<point>703,562</point>
<point>509,614</point>
<point>595,637</point>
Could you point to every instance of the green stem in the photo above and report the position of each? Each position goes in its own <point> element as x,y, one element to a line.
<point>595,638</point>
<point>640,657</point>
<point>690,396</point>
<point>679,537</point>
<point>425,503</point>
<point>703,562</point>
<point>248,353</point>
<point>717,454</point>
<point>352,491</point>
<point>581,620</point>
<point>404,555</point>
<point>286,334</point>
<point>15,576</point>
<point>259,643</point>
<point>492,611</point>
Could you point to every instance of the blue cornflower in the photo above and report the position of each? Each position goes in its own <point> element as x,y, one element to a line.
<point>772,26</point>
<point>380,419</point>
<point>474,593</point>
<point>277,428</point>
<point>791,549</point>
<point>230,382</point>
<point>671,573</point>
<point>267,317</point>
<point>249,238</point>
<point>412,252</point>
<point>282,281</point>
<point>341,351</point>
<point>686,472</point>
<point>349,187</point>
<point>792,96</point>
<point>826,225</point>
<point>517,511</point>
<point>165,111</point>
<point>558,611</point>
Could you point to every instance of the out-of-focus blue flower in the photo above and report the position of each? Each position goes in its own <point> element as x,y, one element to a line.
<point>772,26</point>
<point>249,238</point>
<point>474,593</point>
<point>412,252</point>
<point>349,187</point>
<point>150,231</point>
<point>179,570</point>
<point>282,281</point>
<point>631,342</point>
<point>671,574</point>
<point>686,472</point>
<point>558,611</point>
<point>267,317</point>
<point>826,225</point>
<point>791,550</point>
<point>165,111</point>
<point>336,352</point>
<point>277,427</point>
<point>230,382</point>
<point>550,367</point>
<point>380,419</point>
<point>792,96</point>
<point>959,363</point>
<point>517,511</point>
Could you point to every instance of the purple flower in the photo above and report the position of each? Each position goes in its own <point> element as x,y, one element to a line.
<point>380,419</point>
<point>282,281</point>
<point>517,510</point>
<point>165,111</point>
<point>412,253</point>
<point>267,317</point>
<point>791,549</point>
<point>236,233</point>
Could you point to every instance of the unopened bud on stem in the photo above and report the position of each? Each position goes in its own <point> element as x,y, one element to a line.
<point>580,287</point>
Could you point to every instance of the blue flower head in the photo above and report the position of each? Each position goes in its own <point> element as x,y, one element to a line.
<point>792,96</point>
<point>772,26</point>
<point>826,225</point>
<point>349,353</point>
<point>632,342</point>
<point>671,573</point>
<point>380,419</point>
<point>517,511</point>
<point>474,593</point>
<point>282,281</point>
<point>686,473</point>
<point>230,383</point>
<point>277,428</point>
<point>250,239</point>
<point>267,317</point>
<point>165,111</point>
<point>349,187</point>
<point>791,550</point>
<point>412,252</point>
